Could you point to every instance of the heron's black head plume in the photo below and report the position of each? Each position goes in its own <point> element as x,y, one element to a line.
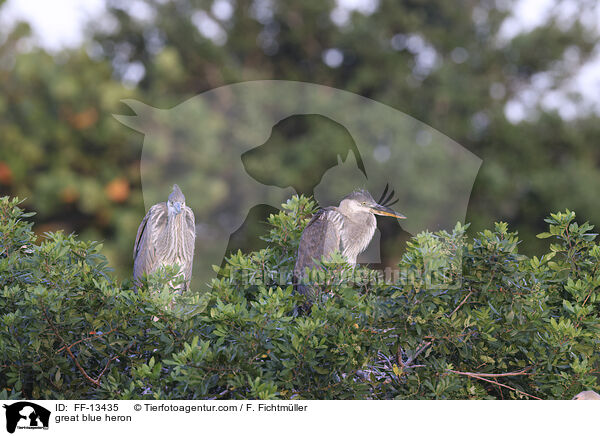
<point>387,201</point>
<point>366,202</point>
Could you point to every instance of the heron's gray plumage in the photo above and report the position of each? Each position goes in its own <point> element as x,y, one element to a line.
<point>348,228</point>
<point>165,237</point>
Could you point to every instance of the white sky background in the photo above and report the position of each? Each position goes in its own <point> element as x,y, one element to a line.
<point>55,23</point>
<point>59,24</point>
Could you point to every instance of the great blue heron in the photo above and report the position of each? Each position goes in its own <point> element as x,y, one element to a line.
<point>166,237</point>
<point>348,228</point>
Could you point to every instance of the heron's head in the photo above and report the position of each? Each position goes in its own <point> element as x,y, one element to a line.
<point>176,201</point>
<point>361,201</point>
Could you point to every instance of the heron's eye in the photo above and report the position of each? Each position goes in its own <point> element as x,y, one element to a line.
<point>364,203</point>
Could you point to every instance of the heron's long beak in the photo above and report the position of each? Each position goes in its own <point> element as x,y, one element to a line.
<point>386,211</point>
<point>177,206</point>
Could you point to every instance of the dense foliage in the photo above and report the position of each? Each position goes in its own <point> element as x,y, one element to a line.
<point>465,318</point>
<point>448,64</point>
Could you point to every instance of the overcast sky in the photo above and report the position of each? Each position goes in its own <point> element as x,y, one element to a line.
<point>58,24</point>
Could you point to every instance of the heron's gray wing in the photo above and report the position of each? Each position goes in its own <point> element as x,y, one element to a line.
<point>140,233</point>
<point>320,237</point>
<point>144,248</point>
<point>189,239</point>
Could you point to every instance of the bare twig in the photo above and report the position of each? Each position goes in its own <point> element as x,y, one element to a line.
<point>506,374</point>
<point>89,338</point>
<point>584,301</point>
<point>481,374</point>
<point>67,348</point>
<point>461,303</point>
<point>105,368</point>
<point>588,296</point>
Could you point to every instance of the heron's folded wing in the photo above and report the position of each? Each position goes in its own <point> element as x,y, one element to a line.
<point>144,250</point>
<point>189,241</point>
<point>321,237</point>
<point>140,233</point>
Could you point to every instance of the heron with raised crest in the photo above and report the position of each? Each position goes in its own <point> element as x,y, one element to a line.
<point>348,228</point>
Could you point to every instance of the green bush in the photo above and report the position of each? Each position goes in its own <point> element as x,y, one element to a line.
<point>460,318</point>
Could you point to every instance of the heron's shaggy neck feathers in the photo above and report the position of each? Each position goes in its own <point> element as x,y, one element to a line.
<point>173,246</point>
<point>356,233</point>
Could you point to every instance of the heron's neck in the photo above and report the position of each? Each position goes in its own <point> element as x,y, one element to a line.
<point>173,237</point>
<point>357,233</point>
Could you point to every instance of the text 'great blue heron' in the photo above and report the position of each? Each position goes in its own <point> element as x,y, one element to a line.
<point>166,237</point>
<point>348,228</point>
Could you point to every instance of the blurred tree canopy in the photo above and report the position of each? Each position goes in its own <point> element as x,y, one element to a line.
<point>444,63</point>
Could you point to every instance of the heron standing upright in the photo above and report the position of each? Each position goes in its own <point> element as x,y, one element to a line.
<point>166,237</point>
<point>348,228</point>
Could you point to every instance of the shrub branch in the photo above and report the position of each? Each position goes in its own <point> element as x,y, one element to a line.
<point>483,377</point>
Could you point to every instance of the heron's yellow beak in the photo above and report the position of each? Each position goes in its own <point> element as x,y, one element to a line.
<point>386,211</point>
